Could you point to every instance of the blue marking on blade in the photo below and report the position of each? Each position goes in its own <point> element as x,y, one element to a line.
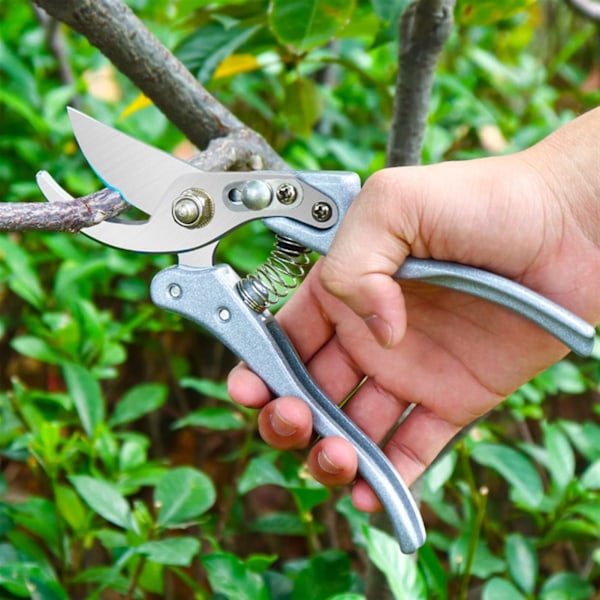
<point>108,185</point>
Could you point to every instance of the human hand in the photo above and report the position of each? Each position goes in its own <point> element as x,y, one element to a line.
<point>451,355</point>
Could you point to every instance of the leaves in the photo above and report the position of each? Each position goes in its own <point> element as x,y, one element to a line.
<point>205,49</point>
<point>87,396</point>
<point>400,570</point>
<point>181,495</point>
<point>516,468</point>
<point>305,24</point>
<point>104,499</point>
<point>137,402</point>
<point>177,551</point>
<point>522,562</point>
<point>229,576</point>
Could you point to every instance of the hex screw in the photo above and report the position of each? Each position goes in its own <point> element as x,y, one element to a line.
<point>286,193</point>
<point>321,212</point>
<point>193,208</point>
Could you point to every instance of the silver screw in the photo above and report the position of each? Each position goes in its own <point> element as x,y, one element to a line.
<point>175,290</point>
<point>286,193</point>
<point>321,211</point>
<point>193,208</point>
<point>256,194</point>
<point>224,314</point>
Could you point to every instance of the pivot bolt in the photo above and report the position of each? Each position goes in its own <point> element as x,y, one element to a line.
<point>286,193</point>
<point>321,212</point>
<point>256,194</point>
<point>193,208</point>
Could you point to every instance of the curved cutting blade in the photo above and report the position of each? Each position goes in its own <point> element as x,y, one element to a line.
<point>140,173</point>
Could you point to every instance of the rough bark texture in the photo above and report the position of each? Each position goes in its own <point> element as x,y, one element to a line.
<point>424,28</point>
<point>112,27</point>
<point>61,216</point>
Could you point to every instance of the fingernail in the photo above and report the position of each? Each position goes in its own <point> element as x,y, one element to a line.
<point>381,330</point>
<point>327,464</point>
<point>281,426</point>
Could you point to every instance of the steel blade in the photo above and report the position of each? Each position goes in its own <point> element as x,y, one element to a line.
<point>140,173</point>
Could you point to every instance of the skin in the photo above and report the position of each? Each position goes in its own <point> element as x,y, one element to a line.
<point>533,217</point>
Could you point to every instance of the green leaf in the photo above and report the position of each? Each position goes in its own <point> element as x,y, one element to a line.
<point>70,506</point>
<point>327,574</point>
<point>566,586</point>
<point>260,471</point>
<point>522,562</point>
<point>561,458</point>
<point>37,348</point>
<point>182,494</point>
<point>38,515</point>
<point>500,589</point>
<point>137,402</point>
<point>516,468</point>
<point>400,570</point>
<point>206,387</point>
<point>23,279</point>
<point>104,499</point>
<point>488,12</point>
<point>590,478</point>
<point>178,551</point>
<point>440,471</point>
<point>87,396</point>
<point>279,523</point>
<point>388,10</point>
<point>216,418</point>
<point>208,46</point>
<point>229,576</point>
<point>305,24</point>
<point>303,105</point>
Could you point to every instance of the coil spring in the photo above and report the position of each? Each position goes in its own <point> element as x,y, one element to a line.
<point>274,280</point>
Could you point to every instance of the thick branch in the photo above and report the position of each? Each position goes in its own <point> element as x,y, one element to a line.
<point>424,28</point>
<point>587,8</point>
<point>113,28</point>
<point>118,33</point>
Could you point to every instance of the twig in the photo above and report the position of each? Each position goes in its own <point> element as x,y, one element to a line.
<point>239,150</point>
<point>56,43</point>
<point>424,28</point>
<point>61,216</point>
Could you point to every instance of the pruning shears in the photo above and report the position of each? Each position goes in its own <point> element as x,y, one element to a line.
<point>189,211</point>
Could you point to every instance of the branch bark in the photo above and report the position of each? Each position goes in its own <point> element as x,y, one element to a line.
<point>227,142</point>
<point>115,30</point>
<point>424,29</point>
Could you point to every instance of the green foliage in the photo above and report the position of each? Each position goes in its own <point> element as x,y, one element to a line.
<point>127,468</point>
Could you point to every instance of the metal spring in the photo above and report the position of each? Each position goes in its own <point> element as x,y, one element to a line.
<point>274,280</point>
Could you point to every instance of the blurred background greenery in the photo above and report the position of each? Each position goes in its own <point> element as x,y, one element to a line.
<point>126,470</point>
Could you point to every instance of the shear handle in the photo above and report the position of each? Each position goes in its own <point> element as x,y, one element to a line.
<point>208,297</point>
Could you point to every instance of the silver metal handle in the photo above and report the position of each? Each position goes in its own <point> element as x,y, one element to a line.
<point>562,324</point>
<point>208,297</point>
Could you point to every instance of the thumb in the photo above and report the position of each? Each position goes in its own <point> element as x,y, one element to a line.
<point>372,242</point>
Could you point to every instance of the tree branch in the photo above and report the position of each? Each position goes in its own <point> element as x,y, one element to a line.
<point>424,28</point>
<point>229,144</point>
<point>113,28</point>
<point>587,8</point>
<point>61,216</point>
